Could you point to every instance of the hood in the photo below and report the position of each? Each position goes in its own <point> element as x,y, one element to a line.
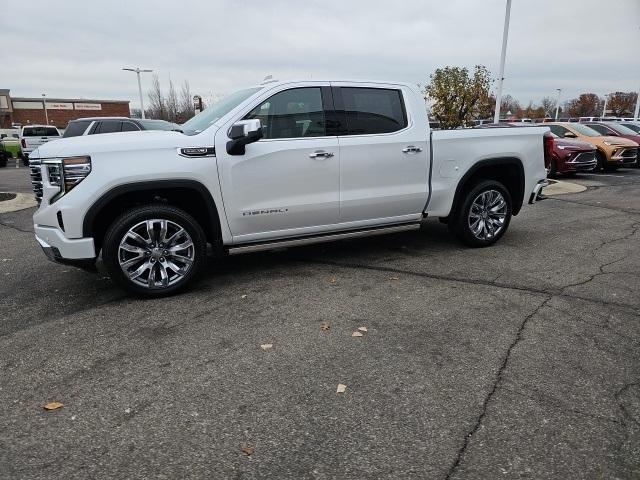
<point>114,142</point>
<point>573,143</point>
<point>618,141</point>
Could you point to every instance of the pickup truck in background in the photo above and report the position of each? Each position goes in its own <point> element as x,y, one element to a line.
<point>33,136</point>
<point>276,165</point>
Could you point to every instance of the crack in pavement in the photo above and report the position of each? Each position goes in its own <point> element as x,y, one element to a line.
<point>494,388</point>
<point>615,209</point>
<point>13,227</point>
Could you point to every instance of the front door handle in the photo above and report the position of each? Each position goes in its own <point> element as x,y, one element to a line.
<point>411,149</point>
<point>320,154</point>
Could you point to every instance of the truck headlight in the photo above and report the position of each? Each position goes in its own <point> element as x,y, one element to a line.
<point>66,173</point>
<point>74,170</point>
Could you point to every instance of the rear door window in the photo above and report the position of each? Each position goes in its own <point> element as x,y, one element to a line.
<point>75,129</point>
<point>600,129</point>
<point>373,110</point>
<point>129,127</point>
<point>108,126</point>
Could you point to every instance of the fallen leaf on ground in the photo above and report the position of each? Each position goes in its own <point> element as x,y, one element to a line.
<point>266,346</point>
<point>248,450</point>
<point>332,280</point>
<point>243,296</point>
<point>53,405</point>
<point>394,278</point>
<point>363,329</point>
<point>127,411</point>
<point>325,326</point>
<point>341,388</point>
<point>357,334</point>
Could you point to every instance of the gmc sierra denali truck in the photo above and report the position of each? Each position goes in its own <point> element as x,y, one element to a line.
<point>277,165</point>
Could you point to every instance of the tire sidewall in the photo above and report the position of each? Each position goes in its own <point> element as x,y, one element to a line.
<point>463,230</point>
<point>122,224</point>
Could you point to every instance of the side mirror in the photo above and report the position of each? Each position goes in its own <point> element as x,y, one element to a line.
<point>243,133</point>
<point>570,135</point>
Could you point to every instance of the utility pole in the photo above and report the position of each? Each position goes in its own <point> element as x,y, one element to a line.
<point>138,71</point>
<point>558,103</point>
<point>635,113</point>
<point>505,35</point>
<point>44,104</point>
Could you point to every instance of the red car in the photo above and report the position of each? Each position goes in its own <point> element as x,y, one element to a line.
<point>561,155</point>
<point>568,156</point>
<point>615,129</point>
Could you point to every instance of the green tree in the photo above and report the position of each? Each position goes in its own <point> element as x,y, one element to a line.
<point>457,96</point>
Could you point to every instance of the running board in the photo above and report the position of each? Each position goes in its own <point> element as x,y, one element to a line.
<point>330,237</point>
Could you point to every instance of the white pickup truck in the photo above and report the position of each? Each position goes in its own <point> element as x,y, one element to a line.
<point>32,136</point>
<point>277,165</point>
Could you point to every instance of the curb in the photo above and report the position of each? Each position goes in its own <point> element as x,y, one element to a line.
<point>557,187</point>
<point>21,202</point>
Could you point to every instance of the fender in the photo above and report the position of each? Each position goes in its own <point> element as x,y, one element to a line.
<point>212,212</point>
<point>494,162</point>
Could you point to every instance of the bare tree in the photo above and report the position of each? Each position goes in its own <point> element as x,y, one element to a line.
<point>172,103</point>
<point>186,103</point>
<point>157,103</point>
<point>549,106</point>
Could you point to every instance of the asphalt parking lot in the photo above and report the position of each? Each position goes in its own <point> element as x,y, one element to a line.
<point>516,361</point>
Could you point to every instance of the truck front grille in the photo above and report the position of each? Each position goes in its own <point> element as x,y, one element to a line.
<point>36,178</point>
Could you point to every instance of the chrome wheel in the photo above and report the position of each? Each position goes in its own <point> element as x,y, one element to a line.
<point>156,253</point>
<point>487,215</point>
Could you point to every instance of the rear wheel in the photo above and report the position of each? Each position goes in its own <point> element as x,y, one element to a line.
<point>3,159</point>
<point>154,250</point>
<point>553,168</point>
<point>484,214</point>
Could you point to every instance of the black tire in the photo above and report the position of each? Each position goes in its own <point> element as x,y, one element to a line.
<point>553,168</point>
<point>3,160</point>
<point>25,161</point>
<point>120,228</point>
<point>601,166</point>
<point>460,223</point>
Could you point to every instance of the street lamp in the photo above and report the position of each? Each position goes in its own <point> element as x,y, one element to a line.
<point>138,71</point>
<point>637,110</point>
<point>604,108</point>
<point>44,104</point>
<point>558,103</point>
<point>505,35</point>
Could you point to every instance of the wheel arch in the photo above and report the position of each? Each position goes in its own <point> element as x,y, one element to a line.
<point>507,170</point>
<point>189,195</point>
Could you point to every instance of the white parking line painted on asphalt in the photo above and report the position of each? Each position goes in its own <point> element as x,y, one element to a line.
<point>601,176</point>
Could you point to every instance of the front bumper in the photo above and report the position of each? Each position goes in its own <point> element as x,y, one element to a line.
<point>625,156</point>
<point>536,194</point>
<point>582,162</point>
<point>78,252</point>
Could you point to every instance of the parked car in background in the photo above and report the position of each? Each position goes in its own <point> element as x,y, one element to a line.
<point>32,136</point>
<point>561,155</point>
<point>616,129</point>
<point>632,125</point>
<point>612,152</point>
<point>97,125</point>
<point>10,142</point>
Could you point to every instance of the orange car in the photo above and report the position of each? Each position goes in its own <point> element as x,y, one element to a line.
<point>612,152</point>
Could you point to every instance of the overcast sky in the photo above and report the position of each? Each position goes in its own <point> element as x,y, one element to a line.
<point>77,48</point>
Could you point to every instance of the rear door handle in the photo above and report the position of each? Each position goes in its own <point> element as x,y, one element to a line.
<point>411,149</point>
<point>320,154</point>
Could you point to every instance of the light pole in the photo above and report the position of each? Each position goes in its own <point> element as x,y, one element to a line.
<point>505,35</point>
<point>138,71</point>
<point>44,104</point>
<point>604,108</point>
<point>637,110</point>
<point>558,103</point>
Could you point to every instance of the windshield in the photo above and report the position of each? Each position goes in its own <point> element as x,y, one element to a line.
<point>584,130</point>
<point>205,119</point>
<point>623,130</point>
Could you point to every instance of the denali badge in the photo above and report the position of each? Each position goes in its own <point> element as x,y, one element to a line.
<point>197,152</point>
<point>265,211</point>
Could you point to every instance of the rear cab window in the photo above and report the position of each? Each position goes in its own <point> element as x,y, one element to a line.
<point>370,111</point>
<point>40,132</point>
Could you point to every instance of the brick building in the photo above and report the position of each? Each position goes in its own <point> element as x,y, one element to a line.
<point>25,111</point>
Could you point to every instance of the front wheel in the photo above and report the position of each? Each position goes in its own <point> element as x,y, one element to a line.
<point>154,250</point>
<point>483,215</point>
<point>601,164</point>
